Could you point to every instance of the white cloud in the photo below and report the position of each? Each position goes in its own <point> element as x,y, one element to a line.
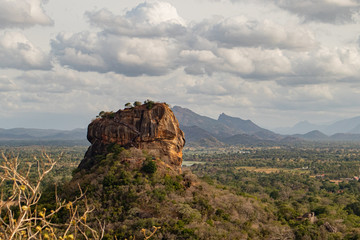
<point>255,62</point>
<point>328,11</point>
<point>325,65</point>
<point>16,51</point>
<point>245,62</point>
<point>313,94</point>
<point>145,41</point>
<point>141,42</point>
<point>242,32</point>
<point>22,13</point>
<point>145,20</point>
<point>110,53</point>
<point>80,51</point>
<point>321,11</point>
<point>155,13</point>
<point>199,62</point>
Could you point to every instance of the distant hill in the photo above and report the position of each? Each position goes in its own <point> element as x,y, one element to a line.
<point>345,137</point>
<point>319,136</point>
<point>302,127</point>
<point>351,126</point>
<point>344,126</point>
<point>28,136</point>
<point>313,135</point>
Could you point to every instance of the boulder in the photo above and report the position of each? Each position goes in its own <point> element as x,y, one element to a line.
<point>149,127</point>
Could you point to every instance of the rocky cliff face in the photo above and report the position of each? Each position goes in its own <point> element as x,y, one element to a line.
<point>151,128</point>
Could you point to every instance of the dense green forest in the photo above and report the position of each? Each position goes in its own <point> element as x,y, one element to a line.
<point>290,192</point>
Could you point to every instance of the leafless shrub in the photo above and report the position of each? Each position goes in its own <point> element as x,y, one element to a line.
<point>20,216</point>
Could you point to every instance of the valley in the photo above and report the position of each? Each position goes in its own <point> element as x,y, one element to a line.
<point>284,182</point>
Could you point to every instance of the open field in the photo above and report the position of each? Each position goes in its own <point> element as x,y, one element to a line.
<point>274,170</point>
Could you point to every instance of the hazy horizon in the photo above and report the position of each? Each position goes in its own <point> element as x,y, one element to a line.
<point>83,123</point>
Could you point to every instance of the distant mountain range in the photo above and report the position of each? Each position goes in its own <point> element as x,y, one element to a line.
<point>350,126</point>
<point>227,130</point>
<point>204,131</point>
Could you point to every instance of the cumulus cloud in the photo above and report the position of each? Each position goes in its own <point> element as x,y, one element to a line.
<point>245,62</point>
<point>255,62</point>
<point>240,31</point>
<point>79,51</point>
<point>110,53</point>
<point>23,13</point>
<point>146,41</point>
<point>145,20</point>
<point>328,11</point>
<point>198,62</point>
<point>325,65</point>
<point>141,42</point>
<point>16,51</point>
<point>306,94</point>
<point>324,11</point>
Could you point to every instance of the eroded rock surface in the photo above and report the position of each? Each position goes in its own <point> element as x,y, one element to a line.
<point>155,130</point>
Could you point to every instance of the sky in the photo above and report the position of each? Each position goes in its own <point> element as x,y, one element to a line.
<point>275,62</point>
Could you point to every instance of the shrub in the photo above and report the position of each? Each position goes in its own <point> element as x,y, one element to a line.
<point>353,208</point>
<point>108,115</point>
<point>149,167</point>
<point>173,184</point>
<point>137,103</point>
<point>149,104</point>
<point>26,219</point>
<point>188,214</point>
<point>159,194</point>
<point>275,194</point>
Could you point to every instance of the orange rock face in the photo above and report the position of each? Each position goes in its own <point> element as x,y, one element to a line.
<point>154,130</point>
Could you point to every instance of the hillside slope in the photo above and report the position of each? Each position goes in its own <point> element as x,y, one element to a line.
<point>134,187</point>
<point>130,197</point>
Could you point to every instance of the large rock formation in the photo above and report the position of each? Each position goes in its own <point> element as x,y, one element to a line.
<point>150,127</point>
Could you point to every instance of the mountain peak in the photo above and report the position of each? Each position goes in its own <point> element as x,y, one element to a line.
<point>246,126</point>
<point>223,116</point>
